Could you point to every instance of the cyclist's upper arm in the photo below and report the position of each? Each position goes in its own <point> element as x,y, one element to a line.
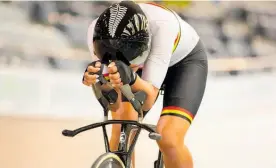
<point>157,64</point>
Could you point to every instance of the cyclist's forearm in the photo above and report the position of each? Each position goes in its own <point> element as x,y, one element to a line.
<point>150,90</point>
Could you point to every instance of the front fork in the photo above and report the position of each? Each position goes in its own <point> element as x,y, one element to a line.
<point>123,144</point>
<point>159,162</point>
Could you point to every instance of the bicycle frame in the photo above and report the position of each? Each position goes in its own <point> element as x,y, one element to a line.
<point>123,152</point>
<point>122,149</point>
<point>136,100</point>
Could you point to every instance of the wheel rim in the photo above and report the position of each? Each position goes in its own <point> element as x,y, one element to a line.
<point>110,163</point>
<point>108,160</point>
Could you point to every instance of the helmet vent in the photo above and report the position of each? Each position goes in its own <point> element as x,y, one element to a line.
<point>117,13</point>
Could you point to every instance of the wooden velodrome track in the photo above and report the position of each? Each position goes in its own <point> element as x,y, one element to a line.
<point>30,142</point>
<point>235,127</point>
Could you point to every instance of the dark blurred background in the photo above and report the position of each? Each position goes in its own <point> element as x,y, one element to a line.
<point>53,34</point>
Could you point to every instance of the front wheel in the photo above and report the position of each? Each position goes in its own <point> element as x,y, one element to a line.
<point>108,160</point>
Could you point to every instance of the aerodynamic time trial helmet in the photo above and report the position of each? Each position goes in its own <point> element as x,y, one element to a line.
<point>122,33</point>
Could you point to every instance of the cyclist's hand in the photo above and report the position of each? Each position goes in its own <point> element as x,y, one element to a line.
<point>90,75</point>
<point>120,73</point>
<point>114,76</point>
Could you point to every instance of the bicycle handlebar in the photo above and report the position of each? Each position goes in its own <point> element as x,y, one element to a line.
<point>136,99</point>
<point>152,133</point>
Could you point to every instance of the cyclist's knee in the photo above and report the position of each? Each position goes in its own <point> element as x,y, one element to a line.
<point>125,112</point>
<point>173,131</point>
<point>169,140</point>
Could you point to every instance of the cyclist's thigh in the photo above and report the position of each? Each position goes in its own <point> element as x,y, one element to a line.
<point>126,112</point>
<point>184,85</point>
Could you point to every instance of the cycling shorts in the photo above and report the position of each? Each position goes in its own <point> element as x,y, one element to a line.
<point>184,85</point>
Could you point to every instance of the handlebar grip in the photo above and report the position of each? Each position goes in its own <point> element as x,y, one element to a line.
<point>155,136</point>
<point>68,133</point>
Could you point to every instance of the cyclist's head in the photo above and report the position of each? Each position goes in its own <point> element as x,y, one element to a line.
<point>122,33</point>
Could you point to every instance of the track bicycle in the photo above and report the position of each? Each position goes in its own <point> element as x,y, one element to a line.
<point>130,130</point>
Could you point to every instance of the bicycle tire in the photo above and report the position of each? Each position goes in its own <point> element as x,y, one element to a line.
<point>108,160</point>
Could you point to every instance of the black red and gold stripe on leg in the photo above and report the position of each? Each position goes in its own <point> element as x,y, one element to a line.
<point>177,111</point>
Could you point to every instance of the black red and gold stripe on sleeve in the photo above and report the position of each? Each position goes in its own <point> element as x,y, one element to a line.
<point>177,39</point>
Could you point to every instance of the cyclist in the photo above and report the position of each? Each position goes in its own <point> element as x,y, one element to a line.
<point>131,38</point>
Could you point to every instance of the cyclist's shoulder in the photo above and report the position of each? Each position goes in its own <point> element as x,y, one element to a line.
<point>156,12</point>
